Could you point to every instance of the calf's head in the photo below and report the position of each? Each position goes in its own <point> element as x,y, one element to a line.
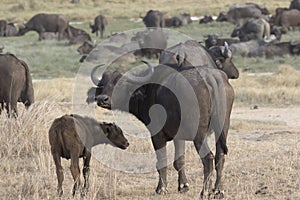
<point>115,135</point>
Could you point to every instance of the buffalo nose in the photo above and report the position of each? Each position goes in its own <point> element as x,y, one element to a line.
<point>103,99</point>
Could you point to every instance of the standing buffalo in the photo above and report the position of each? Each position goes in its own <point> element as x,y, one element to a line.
<point>3,24</point>
<point>41,23</point>
<point>100,24</point>
<point>252,29</point>
<point>287,18</point>
<point>154,18</point>
<point>185,119</point>
<point>15,83</point>
<point>295,4</point>
<point>72,137</point>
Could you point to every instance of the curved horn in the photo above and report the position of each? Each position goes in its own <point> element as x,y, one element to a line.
<point>94,78</point>
<point>226,52</point>
<point>147,77</point>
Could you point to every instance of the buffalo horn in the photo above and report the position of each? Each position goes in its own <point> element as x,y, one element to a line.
<point>146,78</point>
<point>94,78</point>
<point>226,52</point>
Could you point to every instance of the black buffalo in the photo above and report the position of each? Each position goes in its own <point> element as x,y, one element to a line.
<point>15,83</point>
<point>77,35</point>
<point>41,23</point>
<point>214,40</point>
<point>154,18</point>
<point>100,23</point>
<point>206,19</point>
<point>213,99</point>
<point>295,4</point>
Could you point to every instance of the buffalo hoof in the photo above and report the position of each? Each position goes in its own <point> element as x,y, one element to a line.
<point>161,191</point>
<point>219,194</point>
<point>184,187</point>
<point>60,192</point>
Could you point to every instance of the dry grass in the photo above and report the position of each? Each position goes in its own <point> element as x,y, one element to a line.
<point>263,161</point>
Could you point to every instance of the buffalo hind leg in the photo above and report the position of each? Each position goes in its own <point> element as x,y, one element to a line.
<point>207,158</point>
<point>59,173</point>
<point>219,164</point>
<point>179,162</point>
<point>75,173</point>
<point>86,173</point>
<point>159,144</point>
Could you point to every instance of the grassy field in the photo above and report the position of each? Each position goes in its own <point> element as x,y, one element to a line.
<point>263,160</point>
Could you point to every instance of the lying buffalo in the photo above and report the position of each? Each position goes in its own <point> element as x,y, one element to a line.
<point>41,23</point>
<point>77,35</point>
<point>206,19</point>
<point>72,137</point>
<point>15,83</point>
<point>243,48</point>
<point>100,23</point>
<point>214,40</point>
<point>277,49</point>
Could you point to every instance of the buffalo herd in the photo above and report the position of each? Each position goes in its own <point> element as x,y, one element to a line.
<point>205,67</point>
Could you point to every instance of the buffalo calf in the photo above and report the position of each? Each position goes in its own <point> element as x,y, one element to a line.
<point>72,137</point>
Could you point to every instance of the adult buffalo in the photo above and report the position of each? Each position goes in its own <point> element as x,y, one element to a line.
<point>100,23</point>
<point>169,85</point>
<point>206,19</point>
<point>295,4</point>
<point>207,109</point>
<point>214,40</point>
<point>42,23</point>
<point>277,49</point>
<point>287,18</point>
<point>77,35</point>
<point>191,53</point>
<point>154,18</point>
<point>243,48</point>
<point>15,83</point>
<point>252,29</point>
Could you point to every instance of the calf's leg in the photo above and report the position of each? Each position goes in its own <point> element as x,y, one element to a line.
<point>86,173</point>
<point>75,172</point>
<point>59,173</point>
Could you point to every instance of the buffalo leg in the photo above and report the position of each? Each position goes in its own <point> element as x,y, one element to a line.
<point>179,162</point>
<point>207,158</point>
<point>86,173</point>
<point>59,173</point>
<point>159,144</point>
<point>75,172</point>
<point>219,164</point>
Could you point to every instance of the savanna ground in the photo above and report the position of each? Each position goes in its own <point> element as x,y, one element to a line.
<point>263,160</point>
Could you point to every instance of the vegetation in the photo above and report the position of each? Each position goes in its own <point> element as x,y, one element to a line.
<point>263,160</point>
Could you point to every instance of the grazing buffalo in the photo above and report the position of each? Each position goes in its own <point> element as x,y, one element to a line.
<point>295,4</point>
<point>15,83</point>
<point>177,21</point>
<point>252,29</point>
<point>42,23</point>
<point>191,53</point>
<point>152,43</point>
<point>206,19</point>
<point>72,137</point>
<point>287,18</point>
<point>213,96</point>
<point>214,40</point>
<point>100,23</point>
<point>3,24</point>
<point>277,49</point>
<point>154,18</point>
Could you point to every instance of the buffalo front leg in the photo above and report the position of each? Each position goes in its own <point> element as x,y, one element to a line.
<point>179,162</point>
<point>159,144</point>
<point>59,173</point>
<point>86,173</point>
<point>75,171</point>
<point>207,158</point>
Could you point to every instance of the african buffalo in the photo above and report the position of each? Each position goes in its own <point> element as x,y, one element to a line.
<point>243,48</point>
<point>277,49</point>
<point>214,40</point>
<point>15,83</point>
<point>11,30</point>
<point>252,29</point>
<point>213,97</point>
<point>154,18</point>
<point>295,4</point>
<point>191,53</point>
<point>77,35</point>
<point>287,18</point>
<point>206,19</point>
<point>100,23</point>
<point>238,13</point>
<point>3,24</point>
<point>42,22</point>
<point>152,43</point>
<point>222,17</point>
<point>72,137</point>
